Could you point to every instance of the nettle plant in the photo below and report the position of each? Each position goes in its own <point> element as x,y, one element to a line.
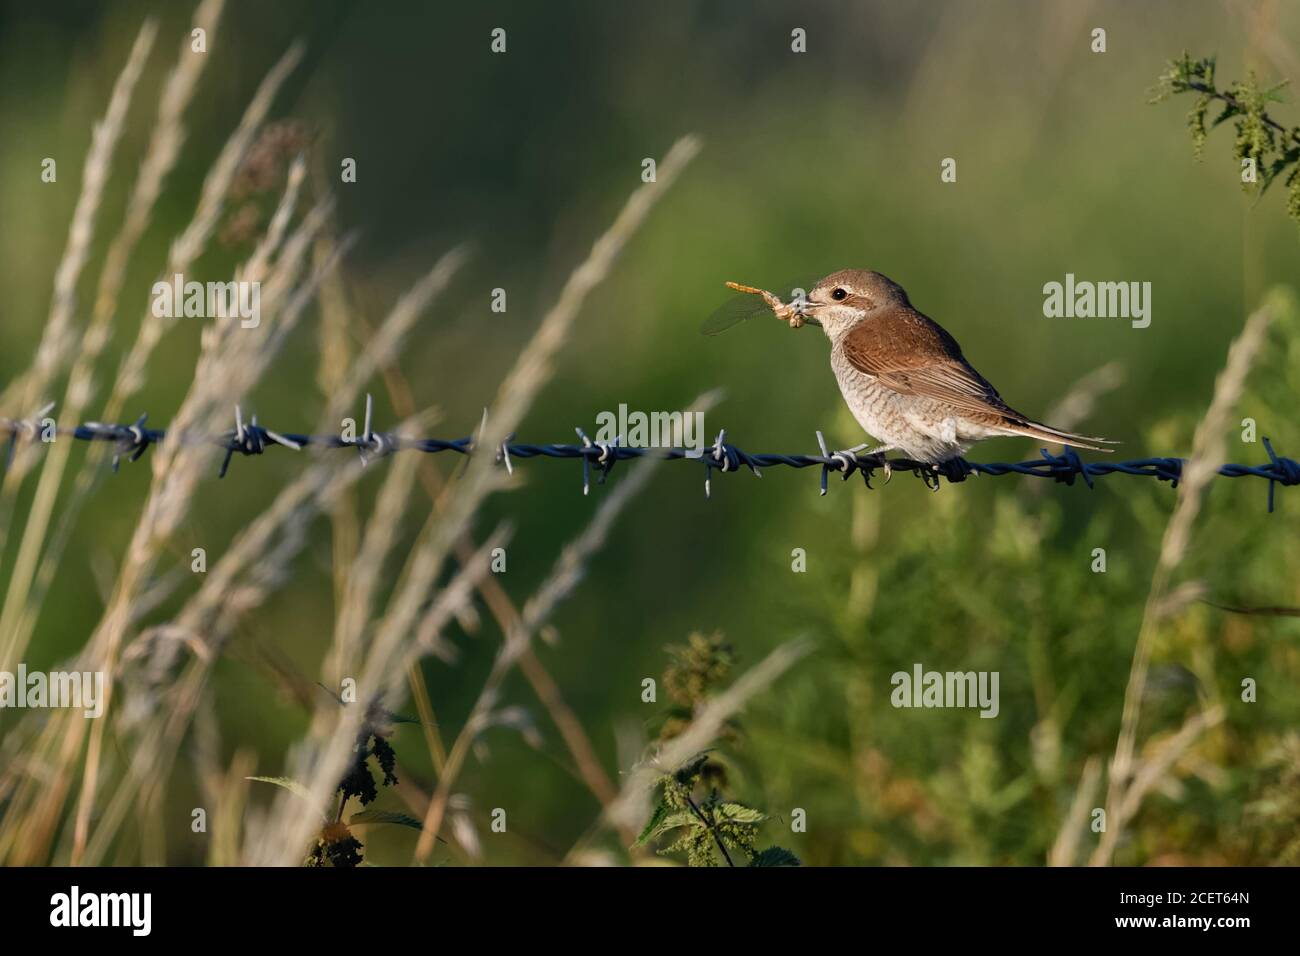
<point>336,845</point>
<point>692,816</point>
<point>1267,150</point>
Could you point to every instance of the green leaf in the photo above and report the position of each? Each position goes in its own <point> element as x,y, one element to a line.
<point>681,818</point>
<point>740,813</point>
<point>652,826</point>
<point>774,856</point>
<point>288,783</point>
<point>384,816</point>
<point>665,818</point>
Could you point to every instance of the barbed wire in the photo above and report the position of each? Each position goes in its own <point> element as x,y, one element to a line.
<point>250,438</point>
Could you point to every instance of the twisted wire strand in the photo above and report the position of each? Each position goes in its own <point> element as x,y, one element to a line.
<point>250,438</point>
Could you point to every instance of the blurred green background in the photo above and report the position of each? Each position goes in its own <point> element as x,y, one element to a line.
<point>811,163</point>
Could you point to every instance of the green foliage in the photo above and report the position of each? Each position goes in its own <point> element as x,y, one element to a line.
<point>998,577</point>
<point>698,668</point>
<point>1273,148</point>
<point>695,670</point>
<point>1272,818</point>
<point>703,824</point>
<point>774,856</point>
<point>989,574</point>
<point>359,781</point>
<point>706,828</point>
<point>335,845</point>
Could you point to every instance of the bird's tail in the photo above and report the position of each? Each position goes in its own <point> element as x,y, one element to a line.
<point>1055,436</point>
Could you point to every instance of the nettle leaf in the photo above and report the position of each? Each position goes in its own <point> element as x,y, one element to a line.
<point>1257,135</point>
<point>384,816</point>
<point>652,826</point>
<point>740,813</point>
<point>681,818</point>
<point>670,819</point>
<point>287,783</point>
<point>774,856</point>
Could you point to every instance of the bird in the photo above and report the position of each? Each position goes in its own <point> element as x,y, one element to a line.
<point>904,377</point>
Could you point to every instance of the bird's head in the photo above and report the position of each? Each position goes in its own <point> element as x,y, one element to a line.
<point>843,299</point>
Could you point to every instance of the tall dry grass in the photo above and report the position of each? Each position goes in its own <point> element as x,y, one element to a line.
<point>70,798</point>
<point>59,338</point>
<point>34,567</point>
<point>320,761</point>
<point>1131,778</point>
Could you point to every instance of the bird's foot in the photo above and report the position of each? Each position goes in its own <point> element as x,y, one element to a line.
<point>856,453</point>
<point>846,461</point>
<point>879,452</point>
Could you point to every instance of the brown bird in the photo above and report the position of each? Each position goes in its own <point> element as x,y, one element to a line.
<point>905,378</point>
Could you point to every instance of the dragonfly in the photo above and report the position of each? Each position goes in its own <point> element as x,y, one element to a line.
<point>751,301</point>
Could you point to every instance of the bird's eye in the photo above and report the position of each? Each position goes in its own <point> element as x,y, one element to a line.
<point>839,295</point>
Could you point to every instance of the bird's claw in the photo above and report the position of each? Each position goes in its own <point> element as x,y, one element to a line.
<point>881,461</point>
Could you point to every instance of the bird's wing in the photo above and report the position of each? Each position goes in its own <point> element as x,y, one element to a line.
<point>911,354</point>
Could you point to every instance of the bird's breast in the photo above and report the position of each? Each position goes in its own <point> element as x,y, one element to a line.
<point>872,404</point>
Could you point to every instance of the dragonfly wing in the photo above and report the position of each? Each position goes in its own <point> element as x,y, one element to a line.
<point>732,312</point>
<point>743,305</point>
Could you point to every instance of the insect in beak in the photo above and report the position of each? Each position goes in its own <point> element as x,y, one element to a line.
<point>802,307</point>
